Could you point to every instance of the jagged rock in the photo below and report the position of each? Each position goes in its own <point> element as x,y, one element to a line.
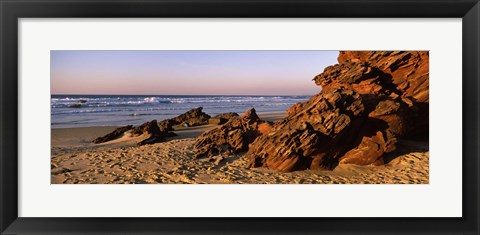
<point>229,115</point>
<point>153,132</point>
<point>295,108</point>
<point>150,130</point>
<point>222,118</point>
<point>166,125</point>
<point>368,101</point>
<point>370,149</point>
<point>75,106</point>
<point>347,73</point>
<point>408,70</point>
<point>314,137</point>
<point>146,128</point>
<point>233,137</point>
<point>112,135</point>
<point>194,117</point>
<point>405,80</point>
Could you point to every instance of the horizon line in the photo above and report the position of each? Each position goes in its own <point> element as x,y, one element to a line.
<point>183,95</point>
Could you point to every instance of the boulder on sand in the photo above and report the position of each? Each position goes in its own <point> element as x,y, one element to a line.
<point>222,118</point>
<point>149,130</point>
<point>193,117</point>
<point>117,133</point>
<point>233,137</point>
<point>166,125</point>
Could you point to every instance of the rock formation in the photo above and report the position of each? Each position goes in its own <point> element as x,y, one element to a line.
<point>75,106</point>
<point>368,101</point>
<point>193,117</point>
<point>149,130</point>
<point>154,131</point>
<point>117,133</point>
<point>312,137</point>
<point>167,124</point>
<point>222,118</point>
<point>233,137</point>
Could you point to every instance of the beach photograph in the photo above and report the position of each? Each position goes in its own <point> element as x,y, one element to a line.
<point>239,117</point>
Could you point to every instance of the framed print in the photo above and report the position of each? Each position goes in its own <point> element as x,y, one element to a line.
<point>239,117</point>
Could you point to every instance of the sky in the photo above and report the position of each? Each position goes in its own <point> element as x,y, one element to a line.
<point>188,72</point>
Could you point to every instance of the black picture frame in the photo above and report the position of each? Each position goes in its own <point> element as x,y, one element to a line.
<point>12,10</point>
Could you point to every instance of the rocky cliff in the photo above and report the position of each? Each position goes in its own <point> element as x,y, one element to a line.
<point>368,101</point>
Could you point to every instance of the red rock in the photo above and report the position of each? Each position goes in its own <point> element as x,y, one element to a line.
<point>368,102</point>
<point>314,137</point>
<point>295,108</point>
<point>409,70</point>
<point>370,149</point>
<point>233,137</point>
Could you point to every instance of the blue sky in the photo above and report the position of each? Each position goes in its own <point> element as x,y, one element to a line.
<point>188,72</point>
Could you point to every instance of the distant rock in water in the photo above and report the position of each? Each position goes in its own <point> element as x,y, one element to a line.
<point>82,101</point>
<point>194,117</point>
<point>117,133</point>
<point>233,137</point>
<point>222,118</point>
<point>368,102</point>
<point>75,106</point>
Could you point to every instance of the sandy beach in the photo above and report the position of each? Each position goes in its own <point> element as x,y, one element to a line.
<point>362,118</point>
<point>76,160</point>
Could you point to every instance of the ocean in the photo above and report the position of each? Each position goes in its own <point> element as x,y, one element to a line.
<point>118,110</point>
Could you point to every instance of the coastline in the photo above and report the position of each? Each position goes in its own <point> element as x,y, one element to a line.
<point>82,136</point>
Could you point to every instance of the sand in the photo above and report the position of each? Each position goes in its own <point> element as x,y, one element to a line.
<point>75,160</point>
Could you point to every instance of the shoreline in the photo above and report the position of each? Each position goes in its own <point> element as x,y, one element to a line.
<point>271,116</point>
<point>82,136</point>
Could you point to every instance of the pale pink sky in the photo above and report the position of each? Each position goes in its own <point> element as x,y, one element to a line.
<point>188,72</point>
